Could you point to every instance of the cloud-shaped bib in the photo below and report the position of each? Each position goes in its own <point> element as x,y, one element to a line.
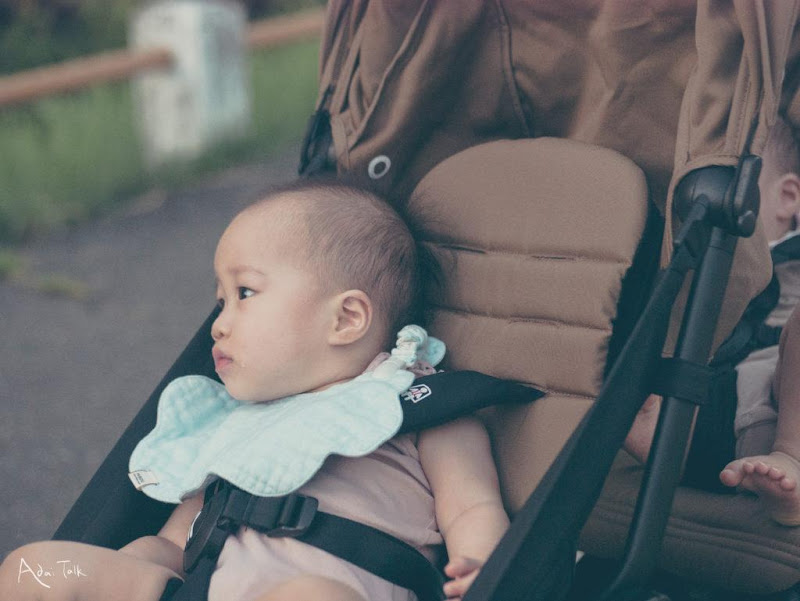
<point>267,449</point>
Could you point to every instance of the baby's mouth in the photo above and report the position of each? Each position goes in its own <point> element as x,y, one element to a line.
<point>221,360</point>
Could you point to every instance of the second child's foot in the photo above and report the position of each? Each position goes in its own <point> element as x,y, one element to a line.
<point>775,478</point>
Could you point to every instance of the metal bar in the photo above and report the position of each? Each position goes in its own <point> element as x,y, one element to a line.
<point>79,73</point>
<point>665,463</point>
<point>282,30</point>
<point>118,65</point>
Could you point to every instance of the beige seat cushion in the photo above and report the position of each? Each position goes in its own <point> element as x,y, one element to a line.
<point>535,237</point>
<point>722,540</point>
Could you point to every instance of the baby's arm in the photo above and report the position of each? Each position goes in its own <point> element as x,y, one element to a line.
<point>166,548</point>
<point>66,570</point>
<point>457,460</point>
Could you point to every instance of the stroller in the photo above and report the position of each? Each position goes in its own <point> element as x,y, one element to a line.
<point>547,209</point>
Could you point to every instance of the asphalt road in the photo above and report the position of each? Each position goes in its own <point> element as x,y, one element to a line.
<point>99,315</point>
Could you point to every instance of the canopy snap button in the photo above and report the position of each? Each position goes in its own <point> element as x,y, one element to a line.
<point>379,166</point>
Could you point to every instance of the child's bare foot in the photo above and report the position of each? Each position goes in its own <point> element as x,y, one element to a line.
<point>640,436</point>
<point>775,478</point>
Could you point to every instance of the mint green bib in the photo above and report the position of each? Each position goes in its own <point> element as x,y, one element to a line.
<point>267,449</point>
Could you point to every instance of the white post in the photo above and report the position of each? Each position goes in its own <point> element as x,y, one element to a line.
<point>204,97</point>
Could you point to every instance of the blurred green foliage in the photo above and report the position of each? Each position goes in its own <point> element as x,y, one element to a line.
<point>68,157</point>
<point>38,32</point>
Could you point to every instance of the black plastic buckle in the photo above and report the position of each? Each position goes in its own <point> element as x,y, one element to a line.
<point>295,516</point>
<point>209,530</point>
<point>227,507</point>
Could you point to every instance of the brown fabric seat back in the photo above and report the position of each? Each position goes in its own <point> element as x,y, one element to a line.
<point>534,237</point>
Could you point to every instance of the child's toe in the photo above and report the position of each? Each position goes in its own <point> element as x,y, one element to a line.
<point>762,468</point>
<point>776,473</point>
<point>730,477</point>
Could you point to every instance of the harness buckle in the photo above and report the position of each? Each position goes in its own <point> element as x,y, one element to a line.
<point>226,508</point>
<point>295,516</point>
<point>209,529</point>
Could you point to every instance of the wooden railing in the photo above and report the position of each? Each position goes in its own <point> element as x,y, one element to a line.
<point>122,64</point>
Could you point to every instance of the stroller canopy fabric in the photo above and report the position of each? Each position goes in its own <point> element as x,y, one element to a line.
<point>672,85</point>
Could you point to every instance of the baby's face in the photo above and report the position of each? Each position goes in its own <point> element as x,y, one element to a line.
<point>274,319</point>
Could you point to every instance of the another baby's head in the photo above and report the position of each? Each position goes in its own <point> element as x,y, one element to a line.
<point>779,182</point>
<point>313,281</point>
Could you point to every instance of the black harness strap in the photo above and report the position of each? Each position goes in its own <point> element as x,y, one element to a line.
<point>683,380</point>
<point>442,397</point>
<point>788,250</point>
<point>432,400</point>
<point>173,586</point>
<point>752,333</point>
<point>227,508</point>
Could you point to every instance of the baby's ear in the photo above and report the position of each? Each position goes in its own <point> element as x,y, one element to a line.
<point>353,316</point>
<point>789,195</point>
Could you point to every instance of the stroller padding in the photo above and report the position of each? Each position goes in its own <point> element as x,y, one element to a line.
<point>535,237</point>
<point>723,540</point>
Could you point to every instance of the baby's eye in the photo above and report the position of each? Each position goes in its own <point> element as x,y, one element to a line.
<point>221,303</point>
<point>245,292</point>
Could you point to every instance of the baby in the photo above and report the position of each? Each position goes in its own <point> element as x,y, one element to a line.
<point>767,418</point>
<point>313,283</point>
<point>768,413</point>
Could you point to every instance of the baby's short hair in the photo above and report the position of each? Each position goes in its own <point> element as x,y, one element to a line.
<point>782,147</point>
<point>356,240</point>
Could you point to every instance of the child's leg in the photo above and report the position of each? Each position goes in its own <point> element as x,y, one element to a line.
<point>775,478</point>
<point>62,570</point>
<point>640,436</point>
<point>304,588</point>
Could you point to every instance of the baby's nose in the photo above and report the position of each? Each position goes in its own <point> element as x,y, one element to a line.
<point>219,328</point>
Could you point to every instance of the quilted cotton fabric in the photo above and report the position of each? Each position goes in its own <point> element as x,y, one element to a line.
<point>267,449</point>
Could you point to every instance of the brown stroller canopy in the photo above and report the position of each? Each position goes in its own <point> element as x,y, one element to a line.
<point>672,84</point>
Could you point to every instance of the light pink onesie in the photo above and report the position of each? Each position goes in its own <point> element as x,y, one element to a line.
<point>387,490</point>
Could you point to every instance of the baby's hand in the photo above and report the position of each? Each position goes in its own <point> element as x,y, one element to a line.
<point>463,571</point>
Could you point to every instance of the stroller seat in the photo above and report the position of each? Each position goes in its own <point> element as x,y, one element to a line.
<point>723,540</point>
<point>536,237</point>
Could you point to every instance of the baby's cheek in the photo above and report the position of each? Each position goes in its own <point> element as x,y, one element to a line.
<point>238,388</point>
